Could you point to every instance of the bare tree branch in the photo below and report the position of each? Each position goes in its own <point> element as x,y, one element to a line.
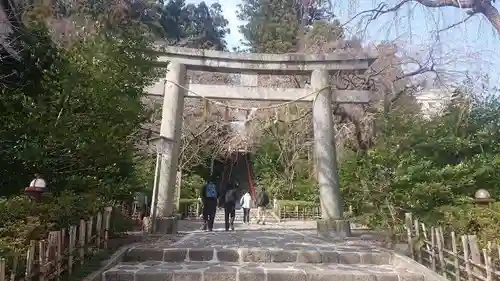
<point>473,7</point>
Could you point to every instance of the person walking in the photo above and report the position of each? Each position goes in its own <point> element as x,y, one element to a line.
<point>262,202</point>
<point>245,202</point>
<point>230,198</point>
<point>209,196</point>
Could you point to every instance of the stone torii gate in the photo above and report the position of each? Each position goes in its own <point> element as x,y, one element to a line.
<point>319,67</point>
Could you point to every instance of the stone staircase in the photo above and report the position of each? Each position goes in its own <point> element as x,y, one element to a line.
<point>258,255</point>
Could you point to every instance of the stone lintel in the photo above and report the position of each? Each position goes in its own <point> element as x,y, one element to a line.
<point>295,63</point>
<point>225,92</point>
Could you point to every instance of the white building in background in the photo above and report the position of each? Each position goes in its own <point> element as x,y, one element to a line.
<point>434,101</point>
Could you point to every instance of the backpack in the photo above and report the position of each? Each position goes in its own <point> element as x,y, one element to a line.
<point>265,199</point>
<point>211,191</point>
<point>231,196</point>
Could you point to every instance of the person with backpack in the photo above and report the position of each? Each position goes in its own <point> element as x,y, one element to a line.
<point>209,197</point>
<point>230,198</point>
<point>262,202</point>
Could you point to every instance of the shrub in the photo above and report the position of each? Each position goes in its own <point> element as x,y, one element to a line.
<point>468,219</point>
<point>291,203</point>
<point>120,223</point>
<point>22,220</point>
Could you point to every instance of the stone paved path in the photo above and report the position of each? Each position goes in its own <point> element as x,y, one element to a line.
<point>256,253</point>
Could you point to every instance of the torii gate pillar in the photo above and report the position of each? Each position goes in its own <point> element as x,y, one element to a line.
<point>171,128</point>
<point>326,157</point>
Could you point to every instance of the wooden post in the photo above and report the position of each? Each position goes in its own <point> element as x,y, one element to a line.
<point>15,264</point>
<point>440,248</point>
<point>81,241</point>
<point>41,261</point>
<point>433,248</point>
<point>465,245</point>
<point>30,260</point>
<point>475,254</point>
<point>71,248</point>
<point>418,249</point>
<point>426,238</point>
<point>456,261</point>
<point>107,220</point>
<point>178,185</point>
<point>88,242</point>
<point>2,269</point>
<point>408,224</point>
<point>488,266</point>
<point>98,231</point>
<point>64,247</point>
<point>59,246</point>
<point>50,256</point>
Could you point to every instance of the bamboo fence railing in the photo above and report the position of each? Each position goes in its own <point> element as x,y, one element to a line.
<point>456,258</point>
<point>60,252</point>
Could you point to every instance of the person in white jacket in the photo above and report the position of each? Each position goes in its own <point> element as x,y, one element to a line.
<point>245,202</point>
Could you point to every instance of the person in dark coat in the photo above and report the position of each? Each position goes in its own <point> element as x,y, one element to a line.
<point>230,199</point>
<point>262,202</point>
<point>209,197</point>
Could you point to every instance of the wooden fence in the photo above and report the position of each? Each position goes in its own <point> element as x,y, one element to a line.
<point>456,258</point>
<point>285,210</point>
<point>300,210</point>
<point>189,208</point>
<point>57,255</point>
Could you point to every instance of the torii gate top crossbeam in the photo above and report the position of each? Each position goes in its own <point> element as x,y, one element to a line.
<point>216,61</point>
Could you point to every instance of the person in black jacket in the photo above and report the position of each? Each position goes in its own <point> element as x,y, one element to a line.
<point>230,199</point>
<point>262,202</point>
<point>209,197</point>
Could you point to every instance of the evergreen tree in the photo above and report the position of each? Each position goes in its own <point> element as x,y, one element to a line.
<point>277,26</point>
<point>194,26</point>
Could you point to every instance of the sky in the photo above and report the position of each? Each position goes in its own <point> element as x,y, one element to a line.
<point>472,46</point>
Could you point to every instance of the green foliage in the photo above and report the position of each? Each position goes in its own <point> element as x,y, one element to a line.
<point>73,114</point>
<point>120,223</point>
<point>194,26</point>
<point>283,168</point>
<point>191,185</point>
<point>23,220</point>
<point>276,26</point>
<point>425,166</point>
<point>470,219</point>
<point>293,203</point>
<point>185,205</point>
<point>326,31</point>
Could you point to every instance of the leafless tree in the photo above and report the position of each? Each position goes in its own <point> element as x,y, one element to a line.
<point>470,7</point>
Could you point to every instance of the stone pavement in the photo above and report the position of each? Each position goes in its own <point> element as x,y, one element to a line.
<point>192,226</point>
<point>258,255</point>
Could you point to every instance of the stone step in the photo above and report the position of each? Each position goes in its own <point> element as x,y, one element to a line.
<point>292,253</point>
<point>164,271</point>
